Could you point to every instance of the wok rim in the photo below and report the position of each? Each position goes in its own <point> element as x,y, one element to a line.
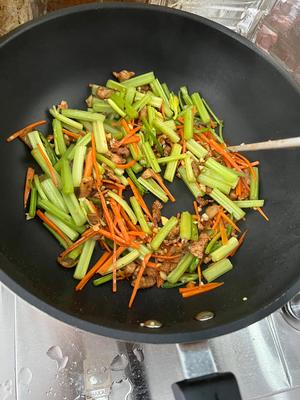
<point>149,336</point>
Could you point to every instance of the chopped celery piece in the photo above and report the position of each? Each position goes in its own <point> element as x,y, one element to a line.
<point>84,259</point>
<point>171,166</point>
<point>214,183</point>
<point>150,157</point>
<point>180,269</point>
<point>189,169</point>
<point>193,186</point>
<point>59,141</point>
<point>215,270</point>
<point>196,148</point>
<point>103,279</point>
<point>100,137</point>
<point>185,225</point>
<point>71,233</point>
<point>249,203</point>
<point>154,188</point>
<point>225,249</point>
<point>78,162</point>
<point>163,233</point>
<point>33,201</point>
<point>195,232</point>
<point>74,209</point>
<point>188,123</point>
<point>139,80</point>
<point>66,176</point>
<point>140,215</point>
<point>53,194</point>
<point>203,114</point>
<point>228,204</point>
<point>193,265</point>
<point>82,115</point>
<point>254,185</point>
<point>229,175</point>
<point>125,260</point>
<point>65,120</point>
<point>163,128</point>
<point>167,159</point>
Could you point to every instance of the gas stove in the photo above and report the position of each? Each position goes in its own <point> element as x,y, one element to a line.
<point>43,358</point>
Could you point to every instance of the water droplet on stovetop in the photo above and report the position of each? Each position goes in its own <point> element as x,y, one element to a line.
<point>139,354</point>
<point>24,376</point>
<point>119,363</point>
<point>55,353</point>
<point>5,389</point>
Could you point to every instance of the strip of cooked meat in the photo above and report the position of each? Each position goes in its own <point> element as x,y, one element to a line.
<point>103,92</point>
<point>130,269</point>
<point>86,187</point>
<point>197,248</point>
<point>212,211</point>
<point>167,266</point>
<point>156,207</point>
<point>123,75</point>
<point>196,168</point>
<point>145,282</point>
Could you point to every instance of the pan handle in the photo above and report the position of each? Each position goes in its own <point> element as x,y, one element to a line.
<point>221,386</point>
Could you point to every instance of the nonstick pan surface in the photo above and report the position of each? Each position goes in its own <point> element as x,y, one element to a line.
<point>55,58</point>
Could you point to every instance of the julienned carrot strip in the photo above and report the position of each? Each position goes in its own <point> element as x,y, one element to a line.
<point>217,220</point>
<point>262,213</point>
<point>116,238</point>
<point>152,264</point>
<point>106,213</point>
<point>161,183</point>
<point>128,221</point>
<point>127,128</point>
<point>219,149</point>
<point>241,240</point>
<point>199,273</point>
<point>227,219</point>
<point>119,218</point>
<point>137,233</point>
<point>139,198</point>
<point>104,245</point>
<point>135,147</point>
<point>132,139</point>
<point>138,279</point>
<point>201,289</point>
<point>27,188</point>
<point>247,162</point>
<point>25,130</point>
<point>238,189</point>
<point>103,269</point>
<point>95,164</point>
<point>84,237</point>
<point>118,185</point>
<point>51,224</point>
<point>92,271</point>
<point>114,287</point>
<point>88,168</point>
<point>49,165</point>
<point>166,257</point>
<point>127,165</point>
<point>188,289</point>
<point>223,232</point>
<point>71,134</point>
<point>195,204</point>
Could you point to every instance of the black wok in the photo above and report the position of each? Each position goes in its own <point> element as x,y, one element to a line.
<point>55,58</point>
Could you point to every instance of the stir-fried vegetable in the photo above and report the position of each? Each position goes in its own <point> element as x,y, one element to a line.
<point>97,165</point>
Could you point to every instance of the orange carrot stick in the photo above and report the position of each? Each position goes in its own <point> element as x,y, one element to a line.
<point>119,218</point>
<point>88,168</point>
<point>114,288</point>
<point>49,165</point>
<point>188,288</point>
<point>137,233</point>
<point>114,237</point>
<point>201,289</point>
<point>262,213</point>
<point>84,237</point>
<point>217,221</point>
<point>223,232</point>
<point>127,165</point>
<point>71,134</point>
<point>139,198</point>
<point>128,221</point>
<point>52,225</point>
<point>95,164</point>
<point>27,188</point>
<point>152,264</point>
<point>24,131</point>
<point>92,271</point>
<point>219,149</point>
<point>160,181</point>
<point>199,273</point>
<point>138,279</point>
<point>229,220</point>
<point>132,139</point>
<point>103,269</point>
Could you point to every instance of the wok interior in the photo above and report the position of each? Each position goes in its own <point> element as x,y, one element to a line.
<point>56,60</point>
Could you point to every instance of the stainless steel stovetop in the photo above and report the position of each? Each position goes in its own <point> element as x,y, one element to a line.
<point>42,358</point>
